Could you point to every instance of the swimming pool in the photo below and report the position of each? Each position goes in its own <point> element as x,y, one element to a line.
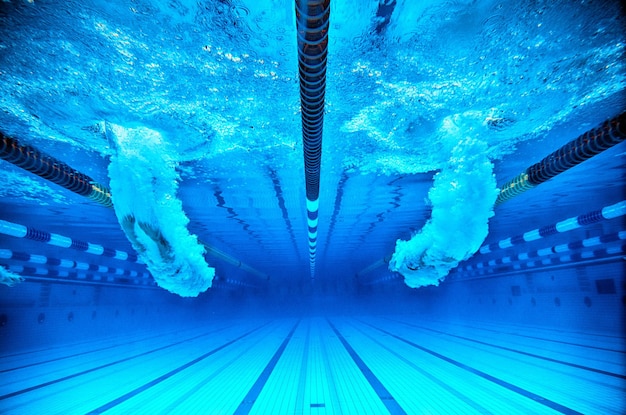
<point>312,207</point>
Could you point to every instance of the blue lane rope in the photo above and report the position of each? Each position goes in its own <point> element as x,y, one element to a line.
<point>312,22</point>
<point>608,212</point>
<point>603,248</point>
<point>113,274</point>
<point>373,266</point>
<point>69,264</point>
<point>592,248</point>
<point>76,276</point>
<point>21,231</point>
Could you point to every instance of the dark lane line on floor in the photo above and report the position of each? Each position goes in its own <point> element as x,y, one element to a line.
<point>332,378</point>
<point>303,368</point>
<point>537,398</point>
<point>93,369</point>
<point>536,356</point>
<point>543,338</point>
<point>443,385</point>
<point>106,348</point>
<point>254,392</point>
<point>383,394</point>
<point>169,374</point>
<point>240,354</point>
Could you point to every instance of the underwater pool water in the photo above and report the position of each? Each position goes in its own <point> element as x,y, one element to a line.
<point>286,207</point>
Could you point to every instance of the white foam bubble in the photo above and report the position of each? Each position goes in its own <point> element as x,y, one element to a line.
<point>144,182</point>
<point>9,278</point>
<point>462,198</point>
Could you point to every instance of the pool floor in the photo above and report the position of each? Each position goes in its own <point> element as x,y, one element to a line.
<point>336,365</point>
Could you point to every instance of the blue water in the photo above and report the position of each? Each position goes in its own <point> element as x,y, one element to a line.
<point>194,294</point>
